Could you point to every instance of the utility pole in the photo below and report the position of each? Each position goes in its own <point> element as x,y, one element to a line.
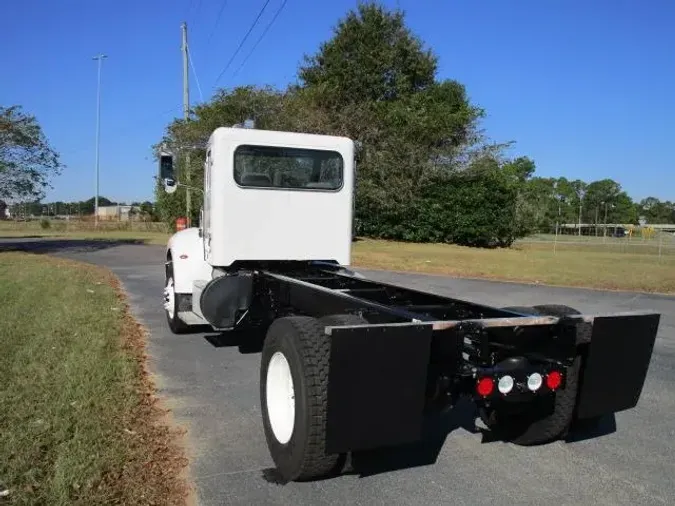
<point>100,58</point>
<point>186,116</point>
<point>580,206</point>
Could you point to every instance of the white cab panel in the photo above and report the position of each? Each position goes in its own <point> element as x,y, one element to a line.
<point>276,223</point>
<point>187,254</point>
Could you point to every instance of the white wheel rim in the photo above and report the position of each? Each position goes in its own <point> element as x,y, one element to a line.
<point>169,297</point>
<point>280,396</point>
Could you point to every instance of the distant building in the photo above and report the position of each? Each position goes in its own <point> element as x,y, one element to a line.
<point>117,213</point>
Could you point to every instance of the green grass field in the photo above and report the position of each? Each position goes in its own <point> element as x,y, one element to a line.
<point>77,421</point>
<point>569,265</point>
<point>150,233</point>
<point>635,264</point>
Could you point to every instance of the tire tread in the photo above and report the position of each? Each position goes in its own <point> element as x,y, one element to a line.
<point>312,345</point>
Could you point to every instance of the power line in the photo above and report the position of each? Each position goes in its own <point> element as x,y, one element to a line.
<point>220,13</point>
<point>269,25</point>
<point>199,88</point>
<point>255,22</point>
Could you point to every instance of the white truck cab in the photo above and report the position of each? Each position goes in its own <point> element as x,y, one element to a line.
<point>269,196</point>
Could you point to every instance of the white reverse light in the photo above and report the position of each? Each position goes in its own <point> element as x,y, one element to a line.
<point>534,381</point>
<point>505,384</point>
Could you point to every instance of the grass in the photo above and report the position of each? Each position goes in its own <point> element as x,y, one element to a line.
<point>149,233</point>
<point>79,422</point>
<point>635,264</point>
<point>570,265</point>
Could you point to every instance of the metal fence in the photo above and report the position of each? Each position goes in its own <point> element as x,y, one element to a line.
<point>655,243</point>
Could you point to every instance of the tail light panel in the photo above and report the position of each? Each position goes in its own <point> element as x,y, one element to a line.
<point>492,385</point>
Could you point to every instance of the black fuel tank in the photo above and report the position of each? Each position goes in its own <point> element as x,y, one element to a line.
<point>224,297</point>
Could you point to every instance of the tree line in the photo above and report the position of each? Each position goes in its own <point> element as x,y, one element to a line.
<point>550,201</point>
<point>146,209</point>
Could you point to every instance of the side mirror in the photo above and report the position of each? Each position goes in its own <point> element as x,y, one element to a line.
<point>170,185</point>
<point>166,172</point>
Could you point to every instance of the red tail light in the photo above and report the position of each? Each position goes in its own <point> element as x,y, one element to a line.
<point>553,380</point>
<point>485,386</point>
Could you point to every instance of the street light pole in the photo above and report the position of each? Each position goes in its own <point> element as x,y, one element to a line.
<point>557,224</point>
<point>186,117</point>
<point>100,58</point>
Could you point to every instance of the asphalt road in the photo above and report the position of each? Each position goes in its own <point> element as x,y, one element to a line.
<point>212,388</point>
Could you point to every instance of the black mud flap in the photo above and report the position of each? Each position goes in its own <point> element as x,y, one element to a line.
<point>616,364</point>
<point>376,386</point>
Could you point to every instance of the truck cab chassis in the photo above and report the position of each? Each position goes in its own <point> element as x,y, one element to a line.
<point>352,364</point>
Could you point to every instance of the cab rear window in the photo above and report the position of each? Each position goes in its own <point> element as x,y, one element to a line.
<point>288,168</point>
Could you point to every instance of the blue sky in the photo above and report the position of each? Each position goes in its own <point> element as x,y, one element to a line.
<point>585,88</point>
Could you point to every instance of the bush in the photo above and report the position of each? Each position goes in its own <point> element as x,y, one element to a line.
<point>476,209</point>
<point>45,224</point>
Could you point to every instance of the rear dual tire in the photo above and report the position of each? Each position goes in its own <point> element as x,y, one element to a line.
<point>294,396</point>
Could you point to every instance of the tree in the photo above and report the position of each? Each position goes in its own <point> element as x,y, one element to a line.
<point>529,193</point>
<point>372,57</point>
<point>147,210</point>
<point>375,82</point>
<point>87,206</point>
<point>624,210</point>
<point>522,168</point>
<point>656,211</point>
<point>606,197</point>
<point>27,161</point>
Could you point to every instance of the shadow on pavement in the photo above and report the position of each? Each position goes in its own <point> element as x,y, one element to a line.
<point>583,430</point>
<point>46,246</point>
<point>426,452</point>
<point>247,340</point>
<point>423,453</point>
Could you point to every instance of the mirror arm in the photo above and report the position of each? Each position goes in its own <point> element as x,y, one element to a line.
<point>176,183</point>
<point>190,187</point>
